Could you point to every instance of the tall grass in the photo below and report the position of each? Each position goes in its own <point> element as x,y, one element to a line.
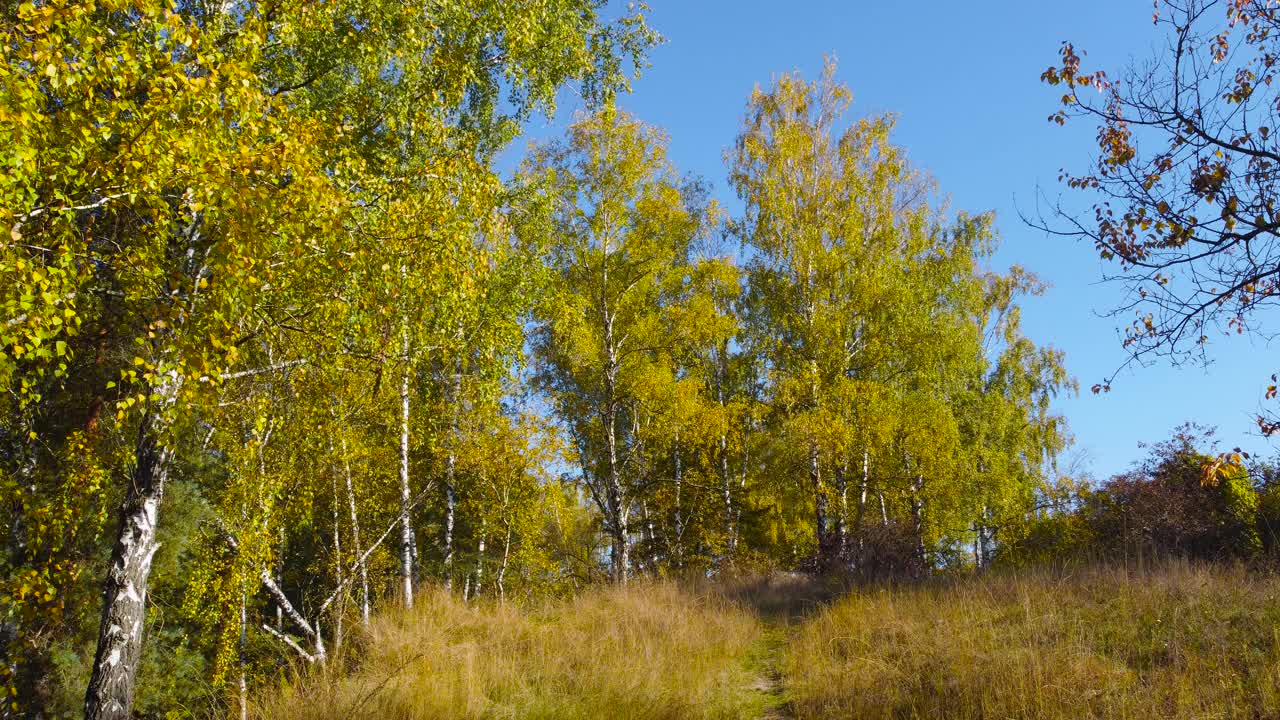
<point>651,651</point>
<point>1181,641</point>
<point>1178,642</point>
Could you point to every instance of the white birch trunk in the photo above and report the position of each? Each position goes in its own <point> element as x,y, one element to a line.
<point>244,635</point>
<point>917,518</point>
<point>406,523</point>
<point>480,559</point>
<point>450,477</point>
<point>109,695</point>
<point>502,569</point>
<point>679,518</point>
<point>355,537</point>
<point>337,557</point>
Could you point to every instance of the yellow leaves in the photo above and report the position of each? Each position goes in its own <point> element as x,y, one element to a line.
<point>1223,467</point>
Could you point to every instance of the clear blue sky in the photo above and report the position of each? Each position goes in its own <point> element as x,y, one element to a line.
<point>963,77</point>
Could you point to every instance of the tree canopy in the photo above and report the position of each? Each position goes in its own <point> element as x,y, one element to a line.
<point>280,343</point>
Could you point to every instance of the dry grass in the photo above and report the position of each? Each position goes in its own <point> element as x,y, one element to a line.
<point>651,651</point>
<point>1180,642</point>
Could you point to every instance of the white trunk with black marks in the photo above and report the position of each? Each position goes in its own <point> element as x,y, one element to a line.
<point>278,575</point>
<point>819,499</point>
<point>480,558</point>
<point>244,637</point>
<point>679,517</point>
<point>337,561</point>
<point>450,515</point>
<point>726,490</point>
<point>742,482</point>
<point>842,518</point>
<point>723,442</point>
<point>286,607</point>
<point>651,535</point>
<point>124,607</point>
<point>917,518</point>
<point>450,476</point>
<point>361,568</point>
<point>862,501</point>
<point>109,695</point>
<point>502,569</point>
<point>620,553</point>
<point>982,541</point>
<point>614,499</point>
<point>815,476</point>
<point>407,550</point>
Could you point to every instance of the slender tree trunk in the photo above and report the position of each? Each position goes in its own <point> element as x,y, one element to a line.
<point>614,501</point>
<point>917,519</point>
<point>407,549</point>
<point>884,509</point>
<point>842,517</point>
<point>278,577</point>
<point>742,482</point>
<point>679,518</point>
<point>124,607</point>
<point>480,557</point>
<point>273,589</point>
<point>355,537</point>
<point>725,486</point>
<point>450,518</point>
<point>815,476</point>
<point>450,474</point>
<point>819,502</point>
<point>650,536</point>
<point>620,553</point>
<point>982,543</point>
<point>337,561</point>
<point>502,569</point>
<point>726,491</point>
<point>244,636</point>
<point>860,520</point>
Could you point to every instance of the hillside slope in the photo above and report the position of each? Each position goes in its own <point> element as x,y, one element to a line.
<point>1179,642</point>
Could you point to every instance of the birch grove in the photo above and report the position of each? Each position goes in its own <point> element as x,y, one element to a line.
<point>282,345</point>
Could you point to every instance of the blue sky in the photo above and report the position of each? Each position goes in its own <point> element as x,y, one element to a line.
<point>963,78</point>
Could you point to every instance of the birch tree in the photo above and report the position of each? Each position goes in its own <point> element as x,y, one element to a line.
<point>834,216</point>
<point>617,239</point>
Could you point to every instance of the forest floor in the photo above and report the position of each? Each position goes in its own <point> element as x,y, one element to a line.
<point>1180,641</point>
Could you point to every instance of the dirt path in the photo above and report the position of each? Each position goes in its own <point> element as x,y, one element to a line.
<point>782,602</point>
<point>769,683</point>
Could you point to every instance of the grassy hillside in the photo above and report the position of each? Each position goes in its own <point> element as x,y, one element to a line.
<point>1179,642</point>
<point>651,651</point>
